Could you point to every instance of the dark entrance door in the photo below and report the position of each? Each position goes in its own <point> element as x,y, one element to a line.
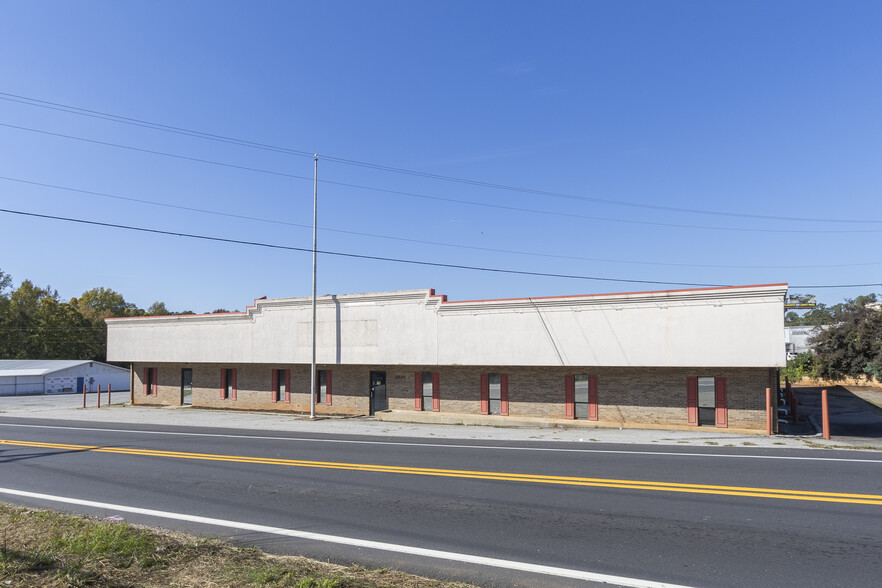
<point>186,386</point>
<point>378,392</point>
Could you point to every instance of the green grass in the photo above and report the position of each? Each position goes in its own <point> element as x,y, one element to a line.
<point>47,548</point>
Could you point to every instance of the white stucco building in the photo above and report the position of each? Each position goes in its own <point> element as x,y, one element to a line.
<point>690,357</point>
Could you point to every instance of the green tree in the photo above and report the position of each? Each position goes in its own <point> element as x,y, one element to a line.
<point>158,309</point>
<point>852,347</point>
<point>101,303</point>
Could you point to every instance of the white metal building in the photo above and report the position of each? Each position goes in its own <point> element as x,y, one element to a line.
<point>58,376</point>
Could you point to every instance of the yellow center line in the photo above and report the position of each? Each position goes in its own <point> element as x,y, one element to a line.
<point>782,494</point>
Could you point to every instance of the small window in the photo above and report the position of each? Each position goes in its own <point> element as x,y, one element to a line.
<point>428,390</point>
<point>323,387</point>
<point>581,398</point>
<point>495,393</point>
<point>706,401</point>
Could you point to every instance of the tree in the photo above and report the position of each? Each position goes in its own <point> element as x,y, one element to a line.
<point>101,303</point>
<point>826,315</point>
<point>852,347</point>
<point>158,309</point>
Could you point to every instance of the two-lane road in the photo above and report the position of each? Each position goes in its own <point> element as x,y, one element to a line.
<point>493,513</point>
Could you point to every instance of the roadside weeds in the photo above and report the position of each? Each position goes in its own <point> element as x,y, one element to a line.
<point>46,548</point>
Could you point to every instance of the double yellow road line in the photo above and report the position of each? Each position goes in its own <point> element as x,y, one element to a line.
<point>873,499</point>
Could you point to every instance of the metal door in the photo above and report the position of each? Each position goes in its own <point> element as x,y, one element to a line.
<point>378,392</point>
<point>186,386</point>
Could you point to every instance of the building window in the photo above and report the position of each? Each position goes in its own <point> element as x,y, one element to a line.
<point>426,391</point>
<point>580,396</point>
<point>281,386</point>
<point>323,387</point>
<point>706,403</point>
<point>494,394</point>
<point>150,382</point>
<point>228,388</point>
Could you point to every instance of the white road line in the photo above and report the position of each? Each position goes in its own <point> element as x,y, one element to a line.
<point>451,445</point>
<point>406,549</point>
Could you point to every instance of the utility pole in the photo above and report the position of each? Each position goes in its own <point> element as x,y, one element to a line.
<point>312,382</point>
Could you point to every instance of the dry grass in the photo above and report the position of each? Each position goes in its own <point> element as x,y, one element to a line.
<point>46,548</point>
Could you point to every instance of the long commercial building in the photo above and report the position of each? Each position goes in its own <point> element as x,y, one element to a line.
<point>699,357</point>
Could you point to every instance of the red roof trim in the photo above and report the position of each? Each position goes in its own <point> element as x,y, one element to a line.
<point>611,294</point>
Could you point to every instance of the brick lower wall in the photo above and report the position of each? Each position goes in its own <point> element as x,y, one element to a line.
<point>625,395</point>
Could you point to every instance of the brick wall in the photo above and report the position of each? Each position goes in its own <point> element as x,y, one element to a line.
<point>633,395</point>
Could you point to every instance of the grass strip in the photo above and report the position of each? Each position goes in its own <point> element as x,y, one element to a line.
<point>41,547</point>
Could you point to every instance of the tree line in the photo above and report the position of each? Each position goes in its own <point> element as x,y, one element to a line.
<point>36,324</point>
<point>848,344</point>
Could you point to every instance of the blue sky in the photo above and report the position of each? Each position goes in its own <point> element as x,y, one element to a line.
<point>616,121</point>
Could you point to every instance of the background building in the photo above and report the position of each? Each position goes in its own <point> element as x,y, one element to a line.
<point>53,376</point>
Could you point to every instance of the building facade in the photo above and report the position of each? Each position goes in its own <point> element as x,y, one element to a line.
<point>654,358</point>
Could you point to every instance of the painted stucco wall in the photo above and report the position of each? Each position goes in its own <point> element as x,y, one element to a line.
<point>734,327</point>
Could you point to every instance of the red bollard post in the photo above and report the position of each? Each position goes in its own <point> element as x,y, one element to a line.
<point>825,415</point>
<point>108,394</point>
<point>99,395</point>
<point>84,396</point>
<point>768,412</point>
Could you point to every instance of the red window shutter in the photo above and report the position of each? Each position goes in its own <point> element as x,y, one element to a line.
<point>235,387</point>
<point>223,383</point>
<point>275,388</point>
<point>287,385</point>
<point>569,396</point>
<point>722,416</point>
<point>144,380</point>
<point>418,391</point>
<point>485,394</point>
<point>592,398</point>
<point>692,401</point>
<point>155,382</point>
<point>503,394</point>
<point>436,392</point>
<point>328,387</point>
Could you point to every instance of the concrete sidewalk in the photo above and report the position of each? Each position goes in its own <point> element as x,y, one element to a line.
<point>69,407</point>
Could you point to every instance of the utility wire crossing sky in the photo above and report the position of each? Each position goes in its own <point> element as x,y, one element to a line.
<point>668,144</point>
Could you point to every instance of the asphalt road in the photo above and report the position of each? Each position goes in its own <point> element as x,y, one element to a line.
<point>709,516</point>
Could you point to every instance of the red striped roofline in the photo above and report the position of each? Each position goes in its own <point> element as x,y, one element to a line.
<point>445,301</point>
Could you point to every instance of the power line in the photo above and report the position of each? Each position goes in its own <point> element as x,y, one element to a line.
<point>425,242</point>
<point>392,169</point>
<point>444,199</point>
<point>398,260</point>
<point>152,152</point>
<point>353,255</point>
<point>147,124</point>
